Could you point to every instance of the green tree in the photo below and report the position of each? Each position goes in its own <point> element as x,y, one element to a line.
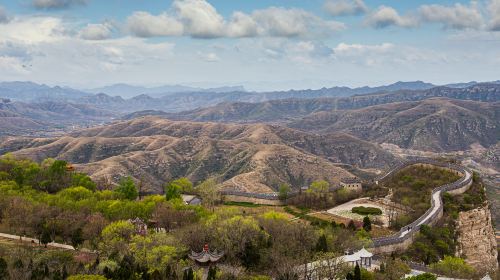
<point>395,269</point>
<point>45,238</point>
<point>250,256</point>
<point>357,272</point>
<point>319,187</point>
<point>367,224</point>
<point>86,277</point>
<point>212,273</point>
<point>367,275</point>
<point>284,190</point>
<point>425,276</point>
<point>175,188</point>
<point>127,189</point>
<point>83,180</point>
<point>351,225</point>
<point>77,237</point>
<point>4,272</point>
<point>453,267</point>
<point>322,244</point>
<point>116,238</point>
<point>209,193</point>
<point>188,274</point>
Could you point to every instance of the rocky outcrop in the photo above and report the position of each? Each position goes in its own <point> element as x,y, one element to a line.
<point>476,239</point>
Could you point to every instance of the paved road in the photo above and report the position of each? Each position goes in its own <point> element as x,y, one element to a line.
<point>34,240</point>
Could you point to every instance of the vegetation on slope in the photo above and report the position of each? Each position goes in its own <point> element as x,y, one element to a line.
<point>412,188</point>
<point>434,245</point>
<point>254,242</point>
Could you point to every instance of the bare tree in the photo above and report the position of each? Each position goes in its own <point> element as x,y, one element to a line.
<point>329,266</point>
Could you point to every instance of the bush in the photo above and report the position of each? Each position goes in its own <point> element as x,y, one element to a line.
<point>365,211</point>
<point>453,267</point>
<point>86,277</point>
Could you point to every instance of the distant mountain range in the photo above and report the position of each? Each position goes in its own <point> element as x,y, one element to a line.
<point>28,109</point>
<point>437,119</point>
<point>198,97</point>
<point>129,91</point>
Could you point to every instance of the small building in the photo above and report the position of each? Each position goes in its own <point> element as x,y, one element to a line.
<point>351,183</point>
<point>206,257</point>
<point>363,258</point>
<point>191,199</point>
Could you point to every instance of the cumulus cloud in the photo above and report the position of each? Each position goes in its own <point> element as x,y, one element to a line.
<point>281,22</point>
<point>4,17</point>
<point>302,52</point>
<point>345,7</point>
<point>144,24</point>
<point>494,11</point>
<point>457,16</point>
<point>387,16</point>
<point>57,4</point>
<point>99,31</point>
<point>39,43</point>
<point>242,25</point>
<point>199,19</point>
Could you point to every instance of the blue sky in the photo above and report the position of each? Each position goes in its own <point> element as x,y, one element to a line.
<point>263,45</point>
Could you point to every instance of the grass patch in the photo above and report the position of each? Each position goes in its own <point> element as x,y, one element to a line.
<point>241,204</point>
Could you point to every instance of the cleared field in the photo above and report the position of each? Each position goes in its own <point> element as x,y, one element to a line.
<point>345,210</point>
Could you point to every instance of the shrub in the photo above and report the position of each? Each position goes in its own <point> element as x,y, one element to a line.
<point>365,211</point>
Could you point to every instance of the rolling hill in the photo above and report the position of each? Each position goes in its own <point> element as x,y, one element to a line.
<point>255,158</point>
<point>434,124</point>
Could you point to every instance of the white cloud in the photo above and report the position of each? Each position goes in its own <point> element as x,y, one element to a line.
<point>454,17</point>
<point>345,7</point>
<point>387,16</point>
<point>57,4</point>
<point>33,30</point>
<point>345,50</point>
<point>300,52</point>
<point>144,24</point>
<point>494,11</point>
<point>99,31</point>
<point>38,43</point>
<point>242,25</point>
<point>208,57</point>
<point>199,19</point>
<point>279,22</point>
<point>4,17</point>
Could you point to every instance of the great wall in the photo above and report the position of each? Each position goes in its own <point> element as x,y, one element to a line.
<point>401,240</point>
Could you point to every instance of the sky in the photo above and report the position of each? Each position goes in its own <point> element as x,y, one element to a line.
<point>262,45</point>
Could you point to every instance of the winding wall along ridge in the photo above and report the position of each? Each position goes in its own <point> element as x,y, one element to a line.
<point>403,239</point>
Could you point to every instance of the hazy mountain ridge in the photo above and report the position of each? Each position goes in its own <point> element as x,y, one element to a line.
<point>20,118</point>
<point>433,124</point>
<point>129,91</point>
<point>280,110</point>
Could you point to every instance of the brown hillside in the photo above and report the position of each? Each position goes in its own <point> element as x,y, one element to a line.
<point>253,158</point>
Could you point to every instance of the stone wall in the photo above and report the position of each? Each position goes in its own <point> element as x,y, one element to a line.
<point>476,241</point>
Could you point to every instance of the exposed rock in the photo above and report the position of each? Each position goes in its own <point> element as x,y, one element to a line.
<point>476,239</point>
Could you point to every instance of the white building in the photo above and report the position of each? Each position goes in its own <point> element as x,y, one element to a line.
<point>363,258</point>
